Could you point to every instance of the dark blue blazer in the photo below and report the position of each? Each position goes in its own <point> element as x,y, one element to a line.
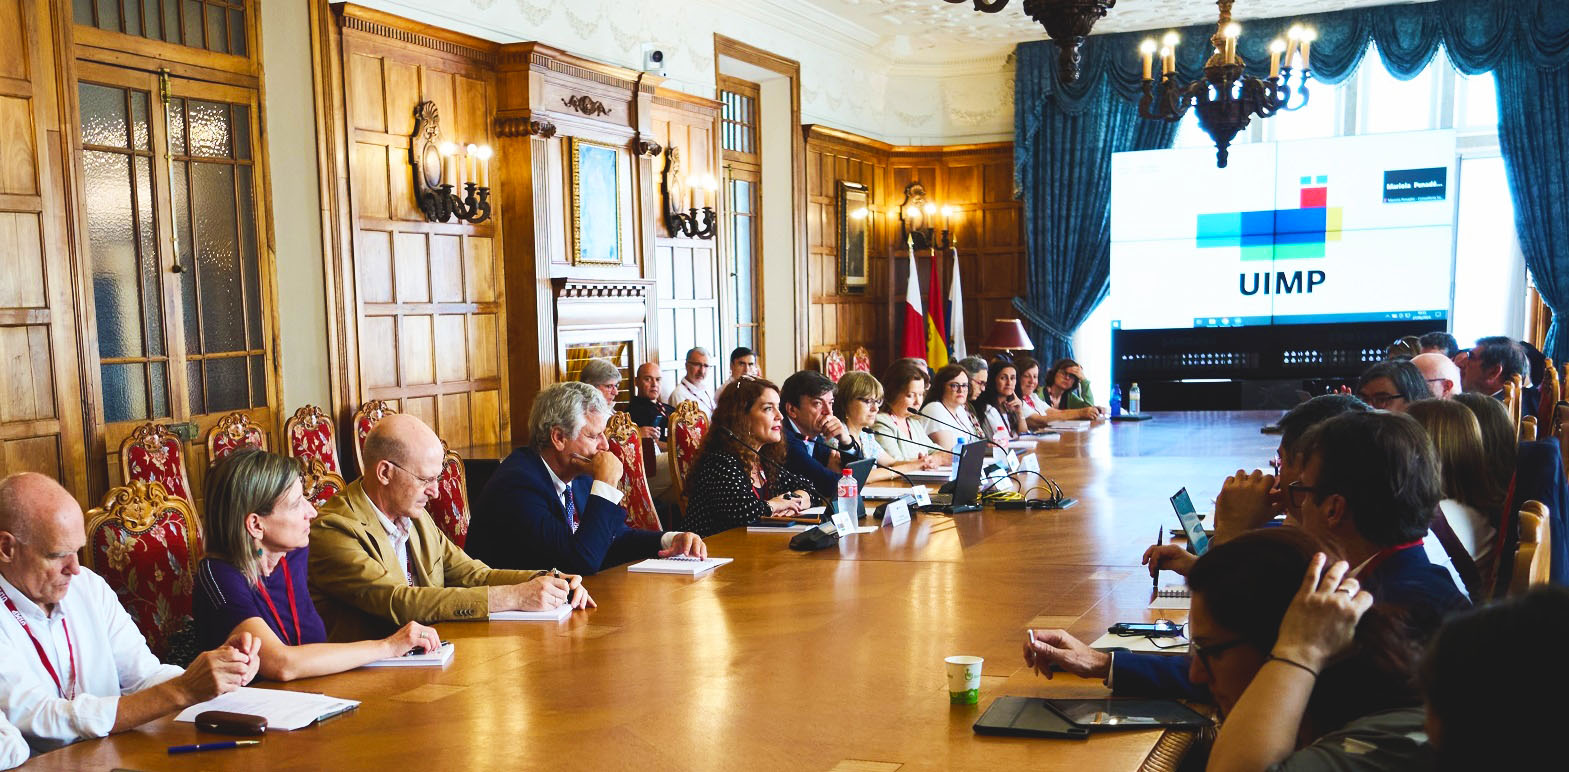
<point>810,460</point>
<point>519,523</point>
<point>1539,475</point>
<point>1406,580</point>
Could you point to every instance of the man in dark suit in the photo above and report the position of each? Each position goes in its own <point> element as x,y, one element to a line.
<point>651,415</point>
<point>1491,364</point>
<point>818,444</point>
<point>556,503</point>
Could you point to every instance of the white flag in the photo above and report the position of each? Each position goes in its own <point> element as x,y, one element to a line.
<point>956,311</point>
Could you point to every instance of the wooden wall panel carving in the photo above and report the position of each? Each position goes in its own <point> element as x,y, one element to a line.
<point>429,324</point>
<point>975,179</point>
<point>41,421</point>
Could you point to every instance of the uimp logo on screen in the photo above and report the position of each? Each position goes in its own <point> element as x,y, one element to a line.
<point>1401,185</point>
<point>1277,234</point>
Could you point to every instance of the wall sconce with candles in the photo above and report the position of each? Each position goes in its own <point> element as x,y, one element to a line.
<point>699,220</point>
<point>439,169</point>
<point>918,220</point>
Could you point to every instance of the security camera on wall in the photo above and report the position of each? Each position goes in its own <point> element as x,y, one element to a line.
<point>654,59</point>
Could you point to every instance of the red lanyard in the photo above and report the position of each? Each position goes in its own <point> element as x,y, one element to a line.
<point>288,585</point>
<point>1372,563</point>
<point>68,690</point>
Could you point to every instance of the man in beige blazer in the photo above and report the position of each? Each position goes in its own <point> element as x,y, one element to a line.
<point>378,561</point>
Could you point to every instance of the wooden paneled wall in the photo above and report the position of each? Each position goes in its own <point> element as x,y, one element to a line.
<point>977,180</point>
<point>40,395</point>
<point>430,326</point>
<point>694,298</point>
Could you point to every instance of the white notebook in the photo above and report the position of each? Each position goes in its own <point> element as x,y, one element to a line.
<point>876,492</point>
<point>942,473</point>
<point>1173,645</point>
<point>1070,426</point>
<point>554,615</point>
<point>679,565</point>
<point>435,658</point>
<point>797,528</point>
<point>282,709</point>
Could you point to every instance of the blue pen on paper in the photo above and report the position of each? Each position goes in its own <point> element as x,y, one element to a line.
<point>211,746</point>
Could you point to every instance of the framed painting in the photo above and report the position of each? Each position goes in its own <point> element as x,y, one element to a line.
<point>596,202</point>
<point>854,221</point>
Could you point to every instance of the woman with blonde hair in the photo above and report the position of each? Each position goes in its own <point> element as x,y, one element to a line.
<point>253,580</point>
<point>1473,500</point>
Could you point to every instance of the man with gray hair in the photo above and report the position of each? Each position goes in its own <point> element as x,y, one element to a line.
<point>694,386</point>
<point>556,502</point>
<point>603,375</point>
<point>378,561</point>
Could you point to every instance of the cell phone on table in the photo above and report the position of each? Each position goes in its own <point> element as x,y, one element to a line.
<point>1164,628</point>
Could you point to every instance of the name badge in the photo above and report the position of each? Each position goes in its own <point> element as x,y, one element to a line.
<point>923,497</point>
<point>896,513</point>
<point>1012,461</point>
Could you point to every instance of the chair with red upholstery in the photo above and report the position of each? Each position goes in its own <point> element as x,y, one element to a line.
<point>145,543</point>
<point>861,359</point>
<point>154,454</point>
<point>365,419</point>
<point>450,506</point>
<point>833,364</point>
<point>688,424</point>
<point>627,444</point>
<point>234,431</point>
<point>309,434</point>
<point>319,482</point>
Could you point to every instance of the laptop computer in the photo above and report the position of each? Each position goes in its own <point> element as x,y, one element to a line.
<point>966,486</point>
<point>1198,540</point>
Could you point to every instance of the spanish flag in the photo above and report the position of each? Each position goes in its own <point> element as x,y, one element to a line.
<point>936,345</point>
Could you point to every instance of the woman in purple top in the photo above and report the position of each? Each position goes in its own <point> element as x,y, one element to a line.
<point>253,579</point>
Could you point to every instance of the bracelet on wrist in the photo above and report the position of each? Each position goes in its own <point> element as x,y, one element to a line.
<point>1293,663</point>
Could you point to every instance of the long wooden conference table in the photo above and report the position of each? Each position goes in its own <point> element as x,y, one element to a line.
<point>782,659</point>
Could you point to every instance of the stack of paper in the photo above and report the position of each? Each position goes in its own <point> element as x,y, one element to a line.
<point>797,528</point>
<point>554,615</point>
<point>875,492</point>
<point>1171,645</point>
<point>283,710</point>
<point>941,473</point>
<point>679,565</point>
<point>1070,426</point>
<point>437,658</point>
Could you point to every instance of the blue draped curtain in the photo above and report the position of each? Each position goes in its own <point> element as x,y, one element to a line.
<point>1065,134</point>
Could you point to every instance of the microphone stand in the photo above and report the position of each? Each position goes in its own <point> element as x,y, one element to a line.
<point>972,435</point>
<point>756,452</point>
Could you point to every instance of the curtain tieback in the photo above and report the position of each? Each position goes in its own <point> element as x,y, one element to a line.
<point>1039,320</point>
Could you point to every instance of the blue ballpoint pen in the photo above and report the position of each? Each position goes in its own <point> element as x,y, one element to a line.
<point>212,746</point>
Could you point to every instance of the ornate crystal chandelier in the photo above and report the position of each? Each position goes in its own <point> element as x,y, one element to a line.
<point>1226,98</point>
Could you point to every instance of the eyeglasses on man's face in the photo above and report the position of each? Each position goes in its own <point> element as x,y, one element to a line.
<point>1380,400</point>
<point>1297,492</point>
<point>424,482</point>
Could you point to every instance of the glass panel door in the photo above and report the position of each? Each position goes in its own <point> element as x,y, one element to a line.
<point>741,190</point>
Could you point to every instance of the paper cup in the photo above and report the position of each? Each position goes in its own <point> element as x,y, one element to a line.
<point>964,680</point>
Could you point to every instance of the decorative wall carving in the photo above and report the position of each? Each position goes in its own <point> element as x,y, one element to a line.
<point>524,127</point>
<point>586,105</point>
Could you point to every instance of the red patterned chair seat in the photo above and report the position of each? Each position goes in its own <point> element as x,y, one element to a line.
<point>319,483</point>
<point>861,359</point>
<point>627,445</point>
<point>145,544</point>
<point>154,454</point>
<point>688,424</point>
<point>234,431</point>
<point>309,433</point>
<point>450,506</point>
<point>366,419</point>
<point>833,365</point>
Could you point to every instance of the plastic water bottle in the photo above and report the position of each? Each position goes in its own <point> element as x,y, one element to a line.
<point>1116,400</point>
<point>1133,399</point>
<point>958,450</point>
<point>849,496</point>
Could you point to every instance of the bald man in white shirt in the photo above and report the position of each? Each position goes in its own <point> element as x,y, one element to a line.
<point>75,666</point>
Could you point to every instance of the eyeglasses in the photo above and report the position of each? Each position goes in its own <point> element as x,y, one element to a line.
<point>870,402</point>
<point>1206,653</point>
<point>424,482</point>
<point>698,365</point>
<point>1295,492</point>
<point>1380,400</point>
<point>957,386</point>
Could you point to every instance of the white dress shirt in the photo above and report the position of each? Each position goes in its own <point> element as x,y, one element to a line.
<point>399,538</point>
<point>603,490</point>
<point>941,419</point>
<point>112,659</point>
<point>13,749</point>
<point>697,392</point>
